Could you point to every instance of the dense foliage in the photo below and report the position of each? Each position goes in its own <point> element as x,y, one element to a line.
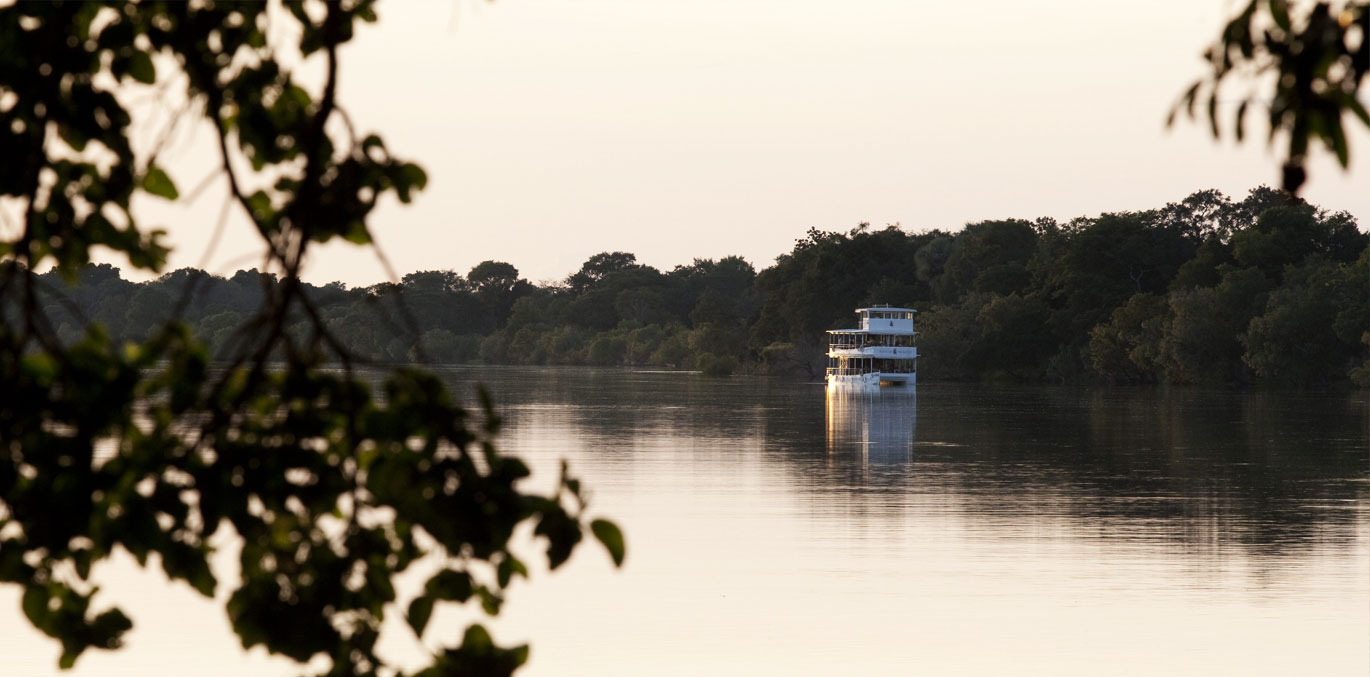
<point>1206,290</point>
<point>115,430</point>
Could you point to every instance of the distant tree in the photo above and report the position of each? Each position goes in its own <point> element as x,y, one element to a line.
<point>493,277</point>
<point>950,339</point>
<point>641,306</point>
<point>674,351</point>
<point>567,345</point>
<point>497,287</point>
<point>434,282</point>
<point>1011,338</point>
<point>1207,213</point>
<point>1127,349</point>
<point>607,350</point>
<point>1202,342</point>
<point>714,308</point>
<point>642,342</point>
<point>818,284</point>
<point>1286,235</point>
<point>1296,339</point>
<point>1109,259</point>
<point>217,331</point>
<point>931,259</point>
<point>599,266</point>
<point>1204,269</point>
<point>990,256</point>
<point>713,365</point>
<point>147,311</point>
<point>444,346</point>
<point>595,309</point>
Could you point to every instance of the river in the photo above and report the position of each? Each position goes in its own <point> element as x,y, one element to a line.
<point>962,530</point>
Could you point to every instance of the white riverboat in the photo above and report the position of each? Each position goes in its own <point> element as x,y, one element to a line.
<point>881,351</point>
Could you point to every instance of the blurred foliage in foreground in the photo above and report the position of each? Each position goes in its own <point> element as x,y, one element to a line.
<point>1266,290</point>
<point>130,440</point>
<point>1303,64</point>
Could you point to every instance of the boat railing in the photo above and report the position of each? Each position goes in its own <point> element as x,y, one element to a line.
<point>882,341</point>
<point>844,371</point>
<point>852,371</point>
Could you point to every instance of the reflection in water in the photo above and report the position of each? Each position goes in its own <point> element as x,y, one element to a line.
<point>878,425</point>
<point>1022,530</point>
<point>1263,474</point>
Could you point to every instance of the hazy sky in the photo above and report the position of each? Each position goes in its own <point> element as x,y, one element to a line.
<point>552,130</point>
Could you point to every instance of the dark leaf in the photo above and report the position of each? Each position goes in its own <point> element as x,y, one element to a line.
<point>1359,110</point>
<point>420,610</point>
<point>1279,10</point>
<point>1336,138</point>
<point>452,586</point>
<point>609,534</point>
<point>1241,119</point>
<point>1213,112</point>
<point>158,183</point>
<point>36,605</point>
<point>141,68</point>
<point>1190,96</point>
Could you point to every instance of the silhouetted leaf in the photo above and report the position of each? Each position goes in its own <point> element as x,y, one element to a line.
<point>609,534</point>
<point>140,67</point>
<point>420,610</point>
<point>1213,113</point>
<point>1359,110</point>
<point>356,233</point>
<point>35,604</point>
<point>1190,96</point>
<point>452,586</point>
<point>158,183</point>
<point>1241,119</point>
<point>1279,11</point>
<point>1336,139</point>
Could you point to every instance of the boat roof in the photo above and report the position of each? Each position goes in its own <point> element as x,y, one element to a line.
<point>887,309</point>
<point>868,331</point>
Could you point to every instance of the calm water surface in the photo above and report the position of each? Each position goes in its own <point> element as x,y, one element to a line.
<point>967,530</point>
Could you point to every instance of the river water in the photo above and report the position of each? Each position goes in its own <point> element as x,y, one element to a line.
<point>774,529</point>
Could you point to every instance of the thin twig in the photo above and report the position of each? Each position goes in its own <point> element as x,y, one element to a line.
<point>408,316</point>
<point>218,232</point>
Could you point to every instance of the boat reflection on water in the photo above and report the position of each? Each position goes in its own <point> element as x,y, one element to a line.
<point>876,424</point>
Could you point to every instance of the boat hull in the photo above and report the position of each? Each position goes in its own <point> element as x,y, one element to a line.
<point>871,380</point>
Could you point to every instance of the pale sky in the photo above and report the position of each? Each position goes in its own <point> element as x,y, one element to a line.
<point>552,130</point>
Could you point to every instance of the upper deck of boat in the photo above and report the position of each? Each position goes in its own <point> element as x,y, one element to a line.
<point>882,320</point>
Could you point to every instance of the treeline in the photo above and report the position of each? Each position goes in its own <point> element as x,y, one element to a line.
<point>1205,290</point>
